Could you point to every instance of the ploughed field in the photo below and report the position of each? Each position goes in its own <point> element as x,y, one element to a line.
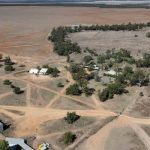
<point>134,41</point>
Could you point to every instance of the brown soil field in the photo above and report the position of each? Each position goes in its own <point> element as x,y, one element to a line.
<point>25,31</point>
<point>103,40</point>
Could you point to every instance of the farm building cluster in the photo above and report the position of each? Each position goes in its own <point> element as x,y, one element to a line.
<point>42,71</point>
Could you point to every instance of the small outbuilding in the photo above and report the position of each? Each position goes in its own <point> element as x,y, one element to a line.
<point>43,71</point>
<point>34,71</point>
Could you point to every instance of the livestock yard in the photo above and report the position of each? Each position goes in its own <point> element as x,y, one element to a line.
<point>37,107</point>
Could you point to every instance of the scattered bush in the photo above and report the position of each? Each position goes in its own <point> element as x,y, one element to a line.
<point>53,71</point>
<point>12,86</point>
<point>145,62</point>
<point>141,94</point>
<point>69,138</point>
<point>7,82</point>
<point>139,78</point>
<point>9,68</point>
<point>87,59</point>
<point>60,84</point>
<point>88,91</point>
<point>17,90</point>
<point>8,61</point>
<point>111,90</point>
<point>71,117</point>
<point>73,90</point>
<point>148,34</point>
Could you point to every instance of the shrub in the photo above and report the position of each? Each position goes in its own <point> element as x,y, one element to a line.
<point>12,86</point>
<point>60,84</point>
<point>53,71</point>
<point>139,78</point>
<point>74,68</point>
<point>8,61</point>
<point>7,82</point>
<point>87,59</point>
<point>141,94</point>
<point>17,90</point>
<point>148,34</point>
<point>73,90</point>
<point>88,91</point>
<point>9,68</point>
<point>69,138</point>
<point>71,117</point>
<point>114,88</point>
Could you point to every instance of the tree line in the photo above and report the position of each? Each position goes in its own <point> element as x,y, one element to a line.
<point>64,47</point>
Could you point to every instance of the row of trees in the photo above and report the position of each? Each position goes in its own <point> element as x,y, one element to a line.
<point>63,46</point>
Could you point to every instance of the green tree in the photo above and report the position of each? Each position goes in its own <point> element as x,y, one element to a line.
<point>148,34</point>
<point>87,59</point>
<point>17,90</point>
<point>59,84</point>
<point>4,145</point>
<point>9,68</point>
<point>71,117</point>
<point>139,78</point>
<point>69,138</point>
<point>7,82</point>
<point>73,90</point>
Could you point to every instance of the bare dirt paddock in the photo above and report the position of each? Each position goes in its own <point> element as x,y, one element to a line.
<point>24,30</point>
<point>134,41</point>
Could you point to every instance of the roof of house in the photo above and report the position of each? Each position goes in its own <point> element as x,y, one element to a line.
<point>43,70</point>
<point>34,70</point>
<point>18,141</point>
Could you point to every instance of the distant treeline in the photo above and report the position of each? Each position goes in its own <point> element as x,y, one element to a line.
<point>64,46</point>
<point>146,6</point>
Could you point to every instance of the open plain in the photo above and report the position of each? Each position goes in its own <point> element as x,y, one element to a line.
<point>120,123</point>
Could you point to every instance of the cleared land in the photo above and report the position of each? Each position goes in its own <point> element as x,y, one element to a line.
<point>134,41</point>
<point>38,112</point>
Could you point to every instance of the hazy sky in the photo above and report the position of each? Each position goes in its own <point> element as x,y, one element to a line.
<point>84,1</point>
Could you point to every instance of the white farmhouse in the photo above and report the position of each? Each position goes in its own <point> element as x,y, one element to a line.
<point>43,71</point>
<point>34,71</point>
